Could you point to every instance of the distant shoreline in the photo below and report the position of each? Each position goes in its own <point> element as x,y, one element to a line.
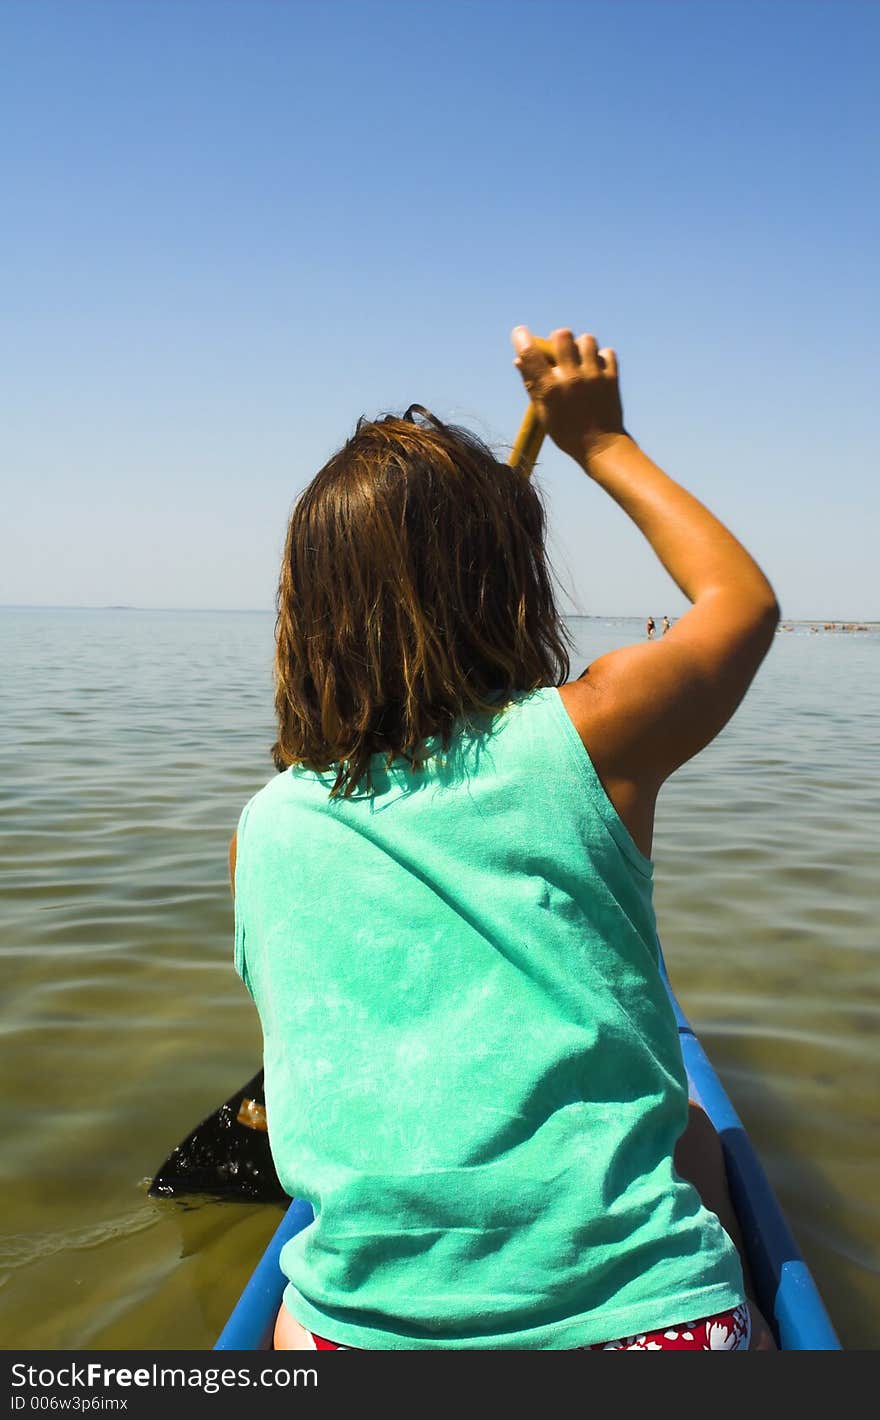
<point>820,623</point>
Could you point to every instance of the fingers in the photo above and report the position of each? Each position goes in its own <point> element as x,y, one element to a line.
<point>567,353</point>
<point>608,360</point>
<point>570,355</point>
<point>534,366</point>
<point>521,337</point>
<point>588,350</point>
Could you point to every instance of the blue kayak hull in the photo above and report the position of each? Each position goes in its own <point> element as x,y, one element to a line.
<point>786,1291</point>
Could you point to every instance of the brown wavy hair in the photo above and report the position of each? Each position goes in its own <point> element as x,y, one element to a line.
<point>415,591</point>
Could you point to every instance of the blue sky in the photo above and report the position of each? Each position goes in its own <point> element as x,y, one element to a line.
<point>232,227</point>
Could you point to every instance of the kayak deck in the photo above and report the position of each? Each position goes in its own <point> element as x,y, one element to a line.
<point>786,1291</point>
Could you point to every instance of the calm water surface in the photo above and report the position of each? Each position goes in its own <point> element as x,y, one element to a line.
<point>129,742</point>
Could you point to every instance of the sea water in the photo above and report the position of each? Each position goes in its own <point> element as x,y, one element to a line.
<point>129,741</point>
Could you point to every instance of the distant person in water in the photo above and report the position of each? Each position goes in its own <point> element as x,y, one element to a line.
<point>497,1145</point>
<point>650,627</point>
<point>664,625</point>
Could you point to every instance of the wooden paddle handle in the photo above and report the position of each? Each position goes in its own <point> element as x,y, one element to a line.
<point>531,432</point>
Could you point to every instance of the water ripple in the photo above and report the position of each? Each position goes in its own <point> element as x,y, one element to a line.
<point>128,744</point>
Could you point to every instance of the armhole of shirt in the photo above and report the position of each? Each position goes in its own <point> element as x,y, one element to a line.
<point>239,900</point>
<point>601,802</point>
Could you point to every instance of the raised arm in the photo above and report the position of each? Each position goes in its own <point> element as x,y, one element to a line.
<point>645,710</point>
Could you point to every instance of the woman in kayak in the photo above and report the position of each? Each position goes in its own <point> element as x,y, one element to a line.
<point>444,903</point>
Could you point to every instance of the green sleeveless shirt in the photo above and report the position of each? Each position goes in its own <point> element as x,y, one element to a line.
<point>473,1072</point>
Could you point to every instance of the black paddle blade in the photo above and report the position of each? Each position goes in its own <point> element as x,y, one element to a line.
<point>225,1157</point>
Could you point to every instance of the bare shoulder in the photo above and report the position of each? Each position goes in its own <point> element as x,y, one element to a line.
<point>644,710</point>
<point>596,714</point>
<point>233,849</point>
<point>609,706</point>
<point>641,711</point>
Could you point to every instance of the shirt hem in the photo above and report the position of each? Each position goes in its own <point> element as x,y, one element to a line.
<point>611,1324</point>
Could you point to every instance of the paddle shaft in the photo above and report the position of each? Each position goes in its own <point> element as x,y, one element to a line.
<point>531,432</point>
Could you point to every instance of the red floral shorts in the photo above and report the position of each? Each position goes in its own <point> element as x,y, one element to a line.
<point>727,1331</point>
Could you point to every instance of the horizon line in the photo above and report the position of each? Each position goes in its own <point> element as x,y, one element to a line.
<point>268,611</point>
